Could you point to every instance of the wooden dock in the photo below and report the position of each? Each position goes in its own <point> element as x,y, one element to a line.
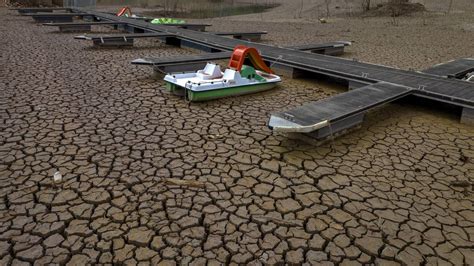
<point>82,26</point>
<point>342,111</point>
<point>44,17</point>
<point>452,69</point>
<point>30,10</point>
<point>434,87</point>
<point>120,39</point>
<point>195,62</point>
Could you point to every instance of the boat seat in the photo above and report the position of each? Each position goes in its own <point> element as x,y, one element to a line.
<point>232,76</point>
<point>211,71</point>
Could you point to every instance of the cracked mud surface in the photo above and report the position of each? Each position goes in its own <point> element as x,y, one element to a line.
<point>382,194</point>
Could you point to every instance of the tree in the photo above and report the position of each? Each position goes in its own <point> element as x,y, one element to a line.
<point>450,6</point>
<point>328,3</point>
<point>366,5</point>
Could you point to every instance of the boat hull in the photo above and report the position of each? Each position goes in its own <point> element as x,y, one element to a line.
<point>199,96</point>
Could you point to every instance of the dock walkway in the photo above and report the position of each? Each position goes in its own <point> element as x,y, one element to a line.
<point>438,88</point>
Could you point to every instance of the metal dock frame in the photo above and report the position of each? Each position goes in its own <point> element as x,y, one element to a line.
<point>441,89</point>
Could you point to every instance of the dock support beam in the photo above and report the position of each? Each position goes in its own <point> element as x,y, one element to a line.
<point>195,27</point>
<point>159,71</point>
<point>113,43</point>
<point>334,51</point>
<point>52,19</point>
<point>131,29</point>
<point>173,41</point>
<point>190,44</point>
<point>286,71</point>
<point>249,37</point>
<point>338,128</point>
<point>467,116</point>
<point>356,84</point>
<point>75,28</point>
<point>325,134</point>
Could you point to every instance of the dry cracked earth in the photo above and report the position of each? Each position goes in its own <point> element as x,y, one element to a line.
<point>396,191</point>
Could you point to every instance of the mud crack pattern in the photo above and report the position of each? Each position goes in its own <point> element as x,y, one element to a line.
<point>382,194</point>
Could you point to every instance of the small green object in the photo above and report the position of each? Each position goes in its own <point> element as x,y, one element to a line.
<point>167,21</point>
<point>250,73</point>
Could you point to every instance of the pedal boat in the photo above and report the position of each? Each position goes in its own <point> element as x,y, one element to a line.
<point>212,83</point>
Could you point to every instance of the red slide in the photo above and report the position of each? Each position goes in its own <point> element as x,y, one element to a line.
<point>124,11</point>
<point>239,55</point>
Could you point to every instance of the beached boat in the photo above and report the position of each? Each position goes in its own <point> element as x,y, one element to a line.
<point>238,79</point>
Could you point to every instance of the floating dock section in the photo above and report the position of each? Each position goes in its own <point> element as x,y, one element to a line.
<point>378,84</point>
<point>323,118</point>
<point>452,69</point>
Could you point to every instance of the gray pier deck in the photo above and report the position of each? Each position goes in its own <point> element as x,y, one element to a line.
<point>120,39</point>
<point>195,62</point>
<point>452,69</point>
<point>29,10</point>
<point>56,17</point>
<point>455,92</point>
<point>325,117</point>
<point>81,26</point>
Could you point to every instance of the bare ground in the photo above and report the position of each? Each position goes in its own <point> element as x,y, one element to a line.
<point>382,194</point>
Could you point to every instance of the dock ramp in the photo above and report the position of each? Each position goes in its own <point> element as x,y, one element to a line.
<point>340,112</point>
